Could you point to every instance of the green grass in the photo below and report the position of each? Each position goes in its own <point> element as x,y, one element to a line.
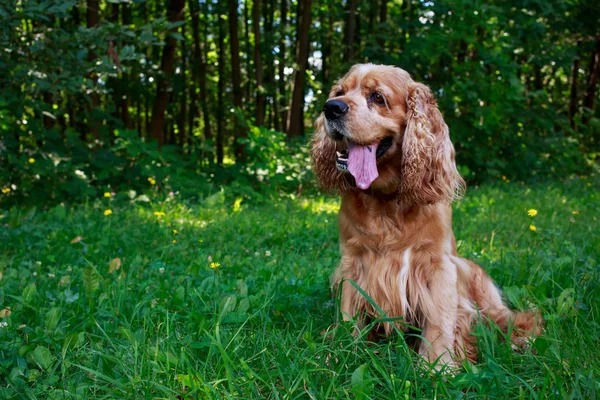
<point>167,325</point>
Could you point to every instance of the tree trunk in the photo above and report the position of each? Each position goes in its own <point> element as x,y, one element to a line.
<point>48,121</point>
<point>248,94</point>
<point>296,120</point>
<point>383,11</point>
<point>326,46</point>
<point>114,13</point>
<point>350,26</point>
<point>125,116</point>
<point>199,70</point>
<point>183,98</point>
<point>260,96</point>
<point>163,86</point>
<point>588,101</point>
<point>220,89</point>
<point>282,79</point>
<point>92,19</point>
<point>236,77</point>
<point>269,15</point>
<point>193,111</point>
<point>573,100</point>
<point>76,17</point>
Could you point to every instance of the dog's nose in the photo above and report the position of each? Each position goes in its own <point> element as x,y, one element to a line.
<point>334,109</point>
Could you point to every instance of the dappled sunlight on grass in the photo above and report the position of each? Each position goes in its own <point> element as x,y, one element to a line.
<point>224,278</point>
<point>321,205</point>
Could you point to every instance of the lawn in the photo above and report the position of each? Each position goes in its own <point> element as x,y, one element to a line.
<point>218,298</point>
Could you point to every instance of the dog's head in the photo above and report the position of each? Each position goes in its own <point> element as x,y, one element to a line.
<point>381,132</point>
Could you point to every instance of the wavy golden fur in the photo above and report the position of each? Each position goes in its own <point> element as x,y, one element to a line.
<point>396,237</point>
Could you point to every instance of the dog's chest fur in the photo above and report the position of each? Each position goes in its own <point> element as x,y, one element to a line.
<point>388,262</point>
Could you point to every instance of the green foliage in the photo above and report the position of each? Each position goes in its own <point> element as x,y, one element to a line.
<point>220,298</point>
<point>80,100</point>
<point>276,162</point>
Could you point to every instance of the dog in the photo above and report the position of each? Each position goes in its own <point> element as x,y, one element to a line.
<point>382,144</point>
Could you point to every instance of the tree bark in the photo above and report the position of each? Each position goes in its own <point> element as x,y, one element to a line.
<point>48,121</point>
<point>383,11</point>
<point>573,99</point>
<point>183,97</point>
<point>260,90</point>
<point>282,80</point>
<point>236,77</point>
<point>248,93</point>
<point>296,120</point>
<point>125,116</point>
<point>326,46</point>
<point>114,14</point>
<point>350,26</point>
<point>220,89</point>
<point>588,101</point>
<point>269,73</point>
<point>199,70</point>
<point>163,86</point>
<point>93,19</point>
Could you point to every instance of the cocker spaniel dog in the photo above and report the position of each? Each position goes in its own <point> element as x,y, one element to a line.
<point>382,143</point>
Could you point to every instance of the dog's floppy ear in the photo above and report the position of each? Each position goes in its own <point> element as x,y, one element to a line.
<point>323,153</point>
<point>429,173</point>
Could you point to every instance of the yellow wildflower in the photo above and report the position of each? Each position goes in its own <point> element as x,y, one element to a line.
<point>575,212</point>
<point>6,190</point>
<point>152,181</point>
<point>174,241</point>
<point>175,231</point>
<point>159,214</point>
<point>107,212</point>
<point>31,160</point>
<point>532,212</point>
<point>532,228</point>
<point>215,265</point>
<point>106,194</point>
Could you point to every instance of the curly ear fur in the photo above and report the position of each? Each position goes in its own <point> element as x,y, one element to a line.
<point>323,155</point>
<point>429,173</point>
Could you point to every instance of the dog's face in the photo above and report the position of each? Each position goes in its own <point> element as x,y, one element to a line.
<point>381,132</point>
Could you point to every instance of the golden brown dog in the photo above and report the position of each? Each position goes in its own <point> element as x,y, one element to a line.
<point>382,143</point>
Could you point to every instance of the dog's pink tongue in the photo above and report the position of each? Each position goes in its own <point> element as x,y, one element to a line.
<point>362,164</point>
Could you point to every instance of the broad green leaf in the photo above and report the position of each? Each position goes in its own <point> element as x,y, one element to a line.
<point>43,357</point>
<point>52,318</point>
<point>362,386</point>
<point>91,279</point>
<point>29,293</point>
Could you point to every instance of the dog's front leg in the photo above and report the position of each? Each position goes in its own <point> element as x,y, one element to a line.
<point>440,314</point>
<point>350,268</point>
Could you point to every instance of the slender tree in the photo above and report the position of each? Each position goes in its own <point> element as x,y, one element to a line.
<point>199,72</point>
<point>163,87</point>
<point>383,13</point>
<point>269,70</point>
<point>258,69</point>
<point>220,89</point>
<point>236,77</point>
<point>283,105</point>
<point>296,119</point>
<point>126,77</point>
<point>594,68</point>
<point>573,97</point>
<point>350,27</point>
<point>93,20</point>
<point>183,101</point>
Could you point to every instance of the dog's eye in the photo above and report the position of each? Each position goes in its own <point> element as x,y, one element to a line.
<point>377,98</point>
<point>339,93</point>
